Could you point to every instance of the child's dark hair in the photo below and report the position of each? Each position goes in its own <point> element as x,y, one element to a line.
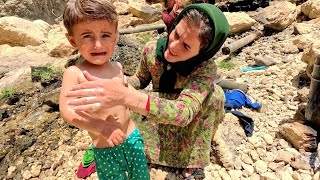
<point>82,10</point>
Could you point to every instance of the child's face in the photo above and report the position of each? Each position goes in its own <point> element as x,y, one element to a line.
<point>95,40</point>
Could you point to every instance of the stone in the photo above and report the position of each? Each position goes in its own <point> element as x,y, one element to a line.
<point>239,21</point>
<point>278,16</point>
<point>269,176</point>
<point>284,156</point>
<point>300,164</point>
<point>248,168</point>
<point>260,167</point>
<point>235,174</point>
<point>20,32</point>
<point>299,135</point>
<point>311,8</point>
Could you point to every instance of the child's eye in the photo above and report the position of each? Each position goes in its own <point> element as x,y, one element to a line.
<point>87,36</point>
<point>105,35</point>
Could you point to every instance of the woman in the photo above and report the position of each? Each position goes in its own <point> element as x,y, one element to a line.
<point>184,108</point>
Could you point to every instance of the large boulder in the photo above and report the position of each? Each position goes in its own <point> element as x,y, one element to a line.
<point>278,16</point>
<point>47,10</point>
<point>311,8</point>
<point>144,11</point>
<point>20,32</point>
<point>239,21</point>
<point>57,44</point>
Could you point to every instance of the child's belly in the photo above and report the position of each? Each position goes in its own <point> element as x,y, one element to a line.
<point>118,115</point>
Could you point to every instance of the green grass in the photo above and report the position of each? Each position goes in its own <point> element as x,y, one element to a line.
<point>144,38</point>
<point>7,92</point>
<point>47,72</point>
<point>226,65</point>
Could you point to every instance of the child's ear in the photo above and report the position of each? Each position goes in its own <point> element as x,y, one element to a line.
<point>71,40</point>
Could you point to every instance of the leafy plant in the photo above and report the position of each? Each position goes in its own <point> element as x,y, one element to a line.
<point>44,73</point>
<point>226,64</point>
<point>7,92</point>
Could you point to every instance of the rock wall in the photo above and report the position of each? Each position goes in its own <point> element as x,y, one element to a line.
<point>47,10</point>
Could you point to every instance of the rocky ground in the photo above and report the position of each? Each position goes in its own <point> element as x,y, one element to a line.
<point>38,144</point>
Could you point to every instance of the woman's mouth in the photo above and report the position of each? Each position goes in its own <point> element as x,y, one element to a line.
<point>172,53</point>
<point>98,54</point>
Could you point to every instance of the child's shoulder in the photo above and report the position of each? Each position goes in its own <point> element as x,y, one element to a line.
<point>116,65</point>
<point>72,70</point>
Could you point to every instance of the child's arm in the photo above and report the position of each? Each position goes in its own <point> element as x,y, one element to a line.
<point>109,130</point>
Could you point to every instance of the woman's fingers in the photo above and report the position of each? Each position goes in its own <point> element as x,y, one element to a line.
<point>87,107</point>
<point>89,77</point>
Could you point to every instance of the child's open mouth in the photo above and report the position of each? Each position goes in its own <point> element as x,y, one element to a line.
<point>98,54</point>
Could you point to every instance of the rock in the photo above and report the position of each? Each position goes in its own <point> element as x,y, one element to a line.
<point>227,137</point>
<point>35,170</point>
<point>57,44</point>
<point>296,175</point>
<point>307,27</point>
<point>300,164</point>
<point>235,174</point>
<point>239,21</point>
<point>224,175</point>
<point>269,176</point>
<point>278,16</point>
<point>144,11</point>
<point>26,175</point>
<point>47,10</point>
<point>121,8</point>
<point>264,61</point>
<point>311,8</point>
<point>284,175</point>
<point>306,177</point>
<point>11,169</point>
<point>268,138</point>
<point>260,167</point>
<point>301,136</point>
<point>248,168</point>
<point>20,32</point>
<point>276,166</point>
<point>284,156</point>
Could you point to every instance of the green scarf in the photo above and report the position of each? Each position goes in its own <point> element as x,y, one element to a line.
<point>184,68</point>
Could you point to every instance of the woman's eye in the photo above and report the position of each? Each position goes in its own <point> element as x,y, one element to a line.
<point>176,35</point>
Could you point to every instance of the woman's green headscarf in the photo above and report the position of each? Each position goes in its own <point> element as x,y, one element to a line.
<point>184,68</point>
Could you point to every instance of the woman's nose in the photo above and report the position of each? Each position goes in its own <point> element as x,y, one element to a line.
<point>174,45</point>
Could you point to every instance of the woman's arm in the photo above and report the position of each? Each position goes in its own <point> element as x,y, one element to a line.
<point>142,77</point>
<point>183,109</point>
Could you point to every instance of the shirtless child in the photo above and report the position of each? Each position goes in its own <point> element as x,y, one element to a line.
<point>118,146</point>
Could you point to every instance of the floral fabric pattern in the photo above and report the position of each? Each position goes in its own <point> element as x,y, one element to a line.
<point>179,127</point>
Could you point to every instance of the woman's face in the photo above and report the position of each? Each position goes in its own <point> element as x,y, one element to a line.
<point>184,42</point>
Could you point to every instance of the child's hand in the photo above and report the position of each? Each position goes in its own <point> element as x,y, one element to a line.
<point>112,133</point>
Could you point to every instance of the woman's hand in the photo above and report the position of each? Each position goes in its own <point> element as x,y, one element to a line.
<point>97,93</point>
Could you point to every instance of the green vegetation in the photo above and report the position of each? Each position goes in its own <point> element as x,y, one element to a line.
<point>226,65</point>
<point>7,92</point>
<point>144,38</point>
<point>46,72</point>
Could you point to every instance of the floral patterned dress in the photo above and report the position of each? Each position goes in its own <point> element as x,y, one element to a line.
<point>179,127</point>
